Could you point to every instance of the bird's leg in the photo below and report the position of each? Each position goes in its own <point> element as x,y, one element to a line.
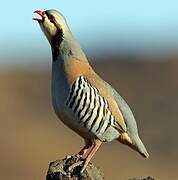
<point>81,158</point>
<point>82,154</point>
<point>89,152</point>
<point>87,157</point>
<point>86,148</point>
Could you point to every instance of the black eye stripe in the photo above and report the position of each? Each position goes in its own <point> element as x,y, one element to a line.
<point>53,21</point>
<point>50,17</point>
<point>46,12</point>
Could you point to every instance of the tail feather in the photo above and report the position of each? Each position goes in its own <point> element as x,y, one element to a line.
<point>139,146</point>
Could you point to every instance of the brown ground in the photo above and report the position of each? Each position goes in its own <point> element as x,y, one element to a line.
<point>31,135</point>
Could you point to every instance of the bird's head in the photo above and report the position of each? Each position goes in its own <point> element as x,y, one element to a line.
<point>53,24</point>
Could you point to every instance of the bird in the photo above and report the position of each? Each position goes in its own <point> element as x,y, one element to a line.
<point>82,100</point>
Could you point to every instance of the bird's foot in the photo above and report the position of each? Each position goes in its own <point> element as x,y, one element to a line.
<point>81,163</point>
<point>74,165</point>
<point>78,157</point>
<point>84,165</point>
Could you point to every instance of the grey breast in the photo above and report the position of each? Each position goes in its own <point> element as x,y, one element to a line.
<point>60,86</point>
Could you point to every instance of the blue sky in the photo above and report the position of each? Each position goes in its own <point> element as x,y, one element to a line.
<point>103,25</point>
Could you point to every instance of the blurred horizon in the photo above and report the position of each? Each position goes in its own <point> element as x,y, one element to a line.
<point>31,135</point>
<point>128,28</point>
<point>133,45</point>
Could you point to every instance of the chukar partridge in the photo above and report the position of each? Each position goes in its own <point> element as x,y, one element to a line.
<point>81,99</point>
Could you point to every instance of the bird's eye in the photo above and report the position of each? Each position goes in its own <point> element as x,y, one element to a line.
<point>51,18</point>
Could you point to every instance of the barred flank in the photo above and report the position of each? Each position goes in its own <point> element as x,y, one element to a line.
<point>89,107</point>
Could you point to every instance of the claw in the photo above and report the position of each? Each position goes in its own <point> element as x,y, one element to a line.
<point>84,166</point>
<point>84,156</point>
<point>71,168</point>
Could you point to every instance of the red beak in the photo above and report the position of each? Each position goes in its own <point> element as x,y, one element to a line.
<point>41,13</point>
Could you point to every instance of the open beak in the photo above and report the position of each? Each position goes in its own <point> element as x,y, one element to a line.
<point>41,14</point>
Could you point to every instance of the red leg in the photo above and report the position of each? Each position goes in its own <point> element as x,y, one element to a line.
<point>91,153</point>
<point>86,148</point>
<point>87,153</point>
<point>82,154</point>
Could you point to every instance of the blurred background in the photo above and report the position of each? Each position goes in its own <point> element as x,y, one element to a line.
<point>132,44</point>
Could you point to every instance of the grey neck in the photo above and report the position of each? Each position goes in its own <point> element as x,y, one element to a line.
<point>69,47</point>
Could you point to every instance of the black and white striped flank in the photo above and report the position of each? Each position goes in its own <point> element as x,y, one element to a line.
<point>90,109</point>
